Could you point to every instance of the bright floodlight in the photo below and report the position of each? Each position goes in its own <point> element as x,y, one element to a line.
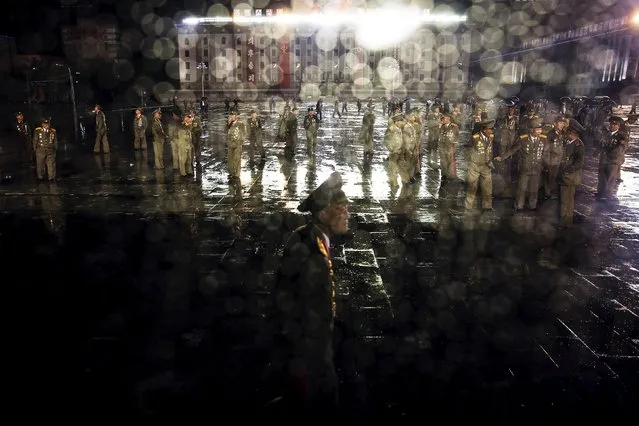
<point>397,17</point>
<point>635,18</point>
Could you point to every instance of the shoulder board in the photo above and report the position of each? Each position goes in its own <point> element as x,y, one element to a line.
<point>523,136</point>
<point>491,137</point>
<point>38,128</point>
<point>579,142</point>
<point>475,135</point>
<point>543,136</point>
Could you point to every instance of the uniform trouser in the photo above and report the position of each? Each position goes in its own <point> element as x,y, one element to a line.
<point>607,179</point>
<point>289,149</point>
<point>25,150</point>
<point>397,166</point>
<point>566,204</point>
<point>158,153</point>
<point>431,149</point>
<point>256,144</point>
<point>550,179</point>
<point>368,147</point>
<point>45,158</point>
<point>310,142</point>
<point>139,141</point>
<point>447,161</point>
<point>101,136</point>
<point>185,159</point>
<point>479,175</point>
<point>175,155</point>
<point>234,158</point>
<point>197,146</point>
<point>417,160</point>
<point>527,187</point>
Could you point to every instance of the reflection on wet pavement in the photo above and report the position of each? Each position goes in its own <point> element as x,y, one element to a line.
<point>143,293</point>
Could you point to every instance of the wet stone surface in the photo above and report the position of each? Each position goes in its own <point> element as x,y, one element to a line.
<point>137,292</point>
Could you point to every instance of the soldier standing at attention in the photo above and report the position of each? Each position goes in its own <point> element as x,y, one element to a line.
<point>532,150</point>
<point>612,151</point>
<point>448,139</point>
<point>101,130</point>
<point>366,133</point>
<point>24,139</point>
<point>45,141</point>
<point>311,125</point>
<point>196,133</point>
<point>139,130</point>
<point>159,138</point>
<point>556,141</point>
<point>185,146</point>
<point>235,132</point>
<point>570,168</point>
<point>480,166</point>
<point>255,135</point>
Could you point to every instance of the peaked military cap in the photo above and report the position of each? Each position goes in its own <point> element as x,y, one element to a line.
<point>537,122</point>
<point>19,113</point>
<point>398,117</point>
<point>45,121</point>
<point>330,191</point>
<point>157,111</point>
<point>574,126</point>
<point>486,124</point>
<point>616,119</point>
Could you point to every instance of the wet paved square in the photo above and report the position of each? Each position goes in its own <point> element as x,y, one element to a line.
<point>135,292</point>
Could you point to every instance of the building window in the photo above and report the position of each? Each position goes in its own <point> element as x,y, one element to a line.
<point>187,54</point>
<point>187,77</point>
<point>239,41</point>
<point>297,52</point>
<point>239,76</point>
<point>206,77</point>
<point>460,77</point>
<point>186,42</point>
<point>223,40</point>
<point>205,40</point>
<point>187,65</point>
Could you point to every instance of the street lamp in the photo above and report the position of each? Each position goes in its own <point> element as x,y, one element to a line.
<point>203,66</point>
<point>635,19</point>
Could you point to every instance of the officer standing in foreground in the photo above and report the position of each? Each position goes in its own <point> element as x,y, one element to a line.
<point>570,168</point>
<point>45,142</point>
<point>305,304</point>
<point>159,137</point>
<point>480,166</point>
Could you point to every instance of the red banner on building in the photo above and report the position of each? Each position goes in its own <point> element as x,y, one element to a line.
<point>250,59</point>
<point>285,65</point>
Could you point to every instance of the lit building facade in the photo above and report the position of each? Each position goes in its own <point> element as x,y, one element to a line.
<point>584,61</point>
<point>321,61</point>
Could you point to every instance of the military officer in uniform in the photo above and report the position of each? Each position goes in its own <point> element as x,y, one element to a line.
<point>45,142</point>
<point>311,125</point>
<point>366,132</point>
<point>24,139</point>
<point>196,133</point>
<point>139,130</point>
<point>184,141</point>
<point>101,131</point>
<point>508,135</point>
<point>433,121</point>
<point>256,129</point>
<point>556,141</point>
<point>480,165</point>
<point>532,149</point>
<point>305,304</point>
<point>569,177</point>
<point>235,133</point>
<point>159,138</point>
<point>448,139</point>
<point>612,150</point>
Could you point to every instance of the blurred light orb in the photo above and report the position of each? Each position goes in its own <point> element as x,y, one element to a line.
<point>410,52</point>
<point>310,90</point>
<point>164,48</point>
<point>487,87</point>
<point>397,26</point>
<point>388,68</point>
<point>326,39</point>
<point>491,60</point>
<point>172,68</point>
<point>162,89</point>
